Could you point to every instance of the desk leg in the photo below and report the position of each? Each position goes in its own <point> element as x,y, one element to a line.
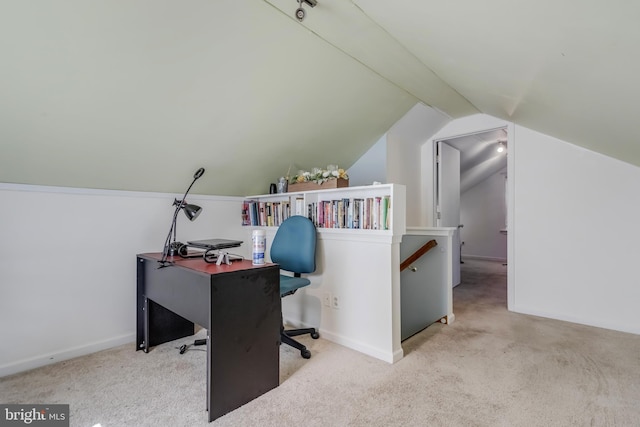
<point>243,351</point>
<point>146,326</point>
<point>142,320</point>
<point>209,376</point>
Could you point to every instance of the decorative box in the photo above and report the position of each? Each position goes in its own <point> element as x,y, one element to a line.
<point>308,186</point>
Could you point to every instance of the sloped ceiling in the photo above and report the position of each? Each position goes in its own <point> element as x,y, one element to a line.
<point>479,156</point>
<point>137,95</point>
<point>565,68</point>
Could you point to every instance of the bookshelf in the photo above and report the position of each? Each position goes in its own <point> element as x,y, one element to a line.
<point>371,208</point>
<point>354,296</point>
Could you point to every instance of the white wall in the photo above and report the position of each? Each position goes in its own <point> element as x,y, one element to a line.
<point>371,166</point>
<point>563,262</point>
<point>396,158</point>
<point>404,144</point>
<point>67,265</point>
<point>576,234</point>
<point>368,319</point>
<point>483,213</point>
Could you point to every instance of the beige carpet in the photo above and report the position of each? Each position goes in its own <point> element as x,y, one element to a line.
<point>490,368</point>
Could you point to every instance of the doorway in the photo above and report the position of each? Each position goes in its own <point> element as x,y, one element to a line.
<point>471,194</point>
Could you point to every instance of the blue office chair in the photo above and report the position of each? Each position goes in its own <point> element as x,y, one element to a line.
<point>294,248</point>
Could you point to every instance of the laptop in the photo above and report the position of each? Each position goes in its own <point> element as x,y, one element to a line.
<point>210,244</point>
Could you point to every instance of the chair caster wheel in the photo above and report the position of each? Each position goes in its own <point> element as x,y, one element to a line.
<point>315,335</point>
<point>306,354</point>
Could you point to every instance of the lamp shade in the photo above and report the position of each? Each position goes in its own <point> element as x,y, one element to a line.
<point>192,211</point>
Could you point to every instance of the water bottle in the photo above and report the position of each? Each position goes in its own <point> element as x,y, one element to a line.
<point>259,241</point>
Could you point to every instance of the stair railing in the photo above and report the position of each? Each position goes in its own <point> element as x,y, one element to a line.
<point>417,254</point>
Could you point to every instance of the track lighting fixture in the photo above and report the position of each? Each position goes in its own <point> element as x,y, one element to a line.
<point>300,12</point>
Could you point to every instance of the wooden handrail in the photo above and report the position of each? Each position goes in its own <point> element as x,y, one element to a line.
<point>417,254</point>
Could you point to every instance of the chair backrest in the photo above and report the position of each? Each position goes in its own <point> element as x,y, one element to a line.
<point>294,246</point>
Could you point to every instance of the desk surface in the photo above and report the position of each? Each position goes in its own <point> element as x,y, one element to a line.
<point>198,264</point>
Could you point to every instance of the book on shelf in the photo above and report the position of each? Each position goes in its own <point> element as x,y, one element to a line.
<point>375,214</point>
<point>265,214</point>
<point>246,216</point>
<point>369,213</point>
<point>299,207</point>
<point>364,213</point>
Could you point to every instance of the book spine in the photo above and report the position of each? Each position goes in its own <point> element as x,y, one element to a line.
<point>268,211</point>
<point>262,221</point>
<point>384,211</point>
<point>375,223</point>
<point>245,213</point>
<point>299,206</point>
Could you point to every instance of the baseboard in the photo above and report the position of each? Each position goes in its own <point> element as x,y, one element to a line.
<point>483,258</point>
<point>386,356</point>
<point>51,358</point>
<point>613,326</point>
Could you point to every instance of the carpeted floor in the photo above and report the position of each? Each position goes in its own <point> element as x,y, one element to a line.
<point>489,368</point>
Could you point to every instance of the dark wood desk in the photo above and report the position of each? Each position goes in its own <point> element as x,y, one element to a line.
<point>238,305</point>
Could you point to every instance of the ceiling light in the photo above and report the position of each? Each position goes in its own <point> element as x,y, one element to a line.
<point>501,147</point>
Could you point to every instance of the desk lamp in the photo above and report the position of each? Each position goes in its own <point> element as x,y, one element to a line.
<point>171,246</point>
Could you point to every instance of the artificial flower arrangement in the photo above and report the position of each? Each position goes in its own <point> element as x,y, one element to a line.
<point>319,176</point>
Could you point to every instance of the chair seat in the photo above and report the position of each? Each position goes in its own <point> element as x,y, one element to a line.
<point>289,284</point>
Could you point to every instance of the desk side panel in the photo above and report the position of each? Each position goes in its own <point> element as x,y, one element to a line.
<point>244,337</point>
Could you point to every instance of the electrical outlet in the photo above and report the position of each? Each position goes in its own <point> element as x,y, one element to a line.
<point>326,299</point>
<point>335,303</point>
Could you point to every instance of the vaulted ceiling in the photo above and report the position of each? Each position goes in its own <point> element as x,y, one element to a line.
<point>137,95</point>
<point>565,68</point>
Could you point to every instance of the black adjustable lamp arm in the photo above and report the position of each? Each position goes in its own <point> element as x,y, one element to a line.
<point>179,205</point>
<point>172,231</point>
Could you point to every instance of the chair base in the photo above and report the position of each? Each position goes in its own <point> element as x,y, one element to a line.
<point>285,337</point>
